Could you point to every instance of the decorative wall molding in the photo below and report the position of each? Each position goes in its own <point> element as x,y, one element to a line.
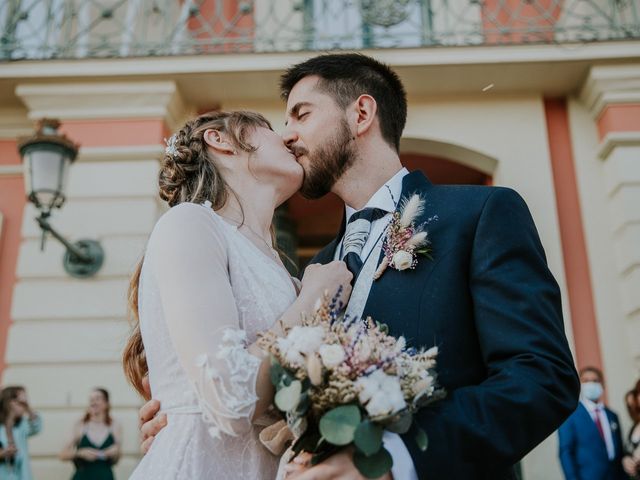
<point>85,101</point>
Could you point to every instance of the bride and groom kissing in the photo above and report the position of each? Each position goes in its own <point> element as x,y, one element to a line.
<point>210,284</point>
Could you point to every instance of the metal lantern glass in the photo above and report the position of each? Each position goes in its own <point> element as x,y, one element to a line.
<point>47,166</point>
<point>47,156</point>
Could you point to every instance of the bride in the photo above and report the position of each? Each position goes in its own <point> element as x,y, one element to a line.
<point>209,283</point>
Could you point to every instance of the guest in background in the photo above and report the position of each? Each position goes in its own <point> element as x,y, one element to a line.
<point>590,439</point>
<point>17,423</point>
<point>94,446</point>
<point>631,461</point>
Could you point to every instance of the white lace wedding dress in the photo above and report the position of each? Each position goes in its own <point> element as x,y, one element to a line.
<point>205,292</point>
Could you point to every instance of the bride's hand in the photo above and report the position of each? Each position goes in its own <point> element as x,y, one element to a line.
<point>150,422</point>
<point>297,465</point>
<point>319,279</point>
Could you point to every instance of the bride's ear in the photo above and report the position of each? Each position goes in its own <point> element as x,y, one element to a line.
<point>219,142</point>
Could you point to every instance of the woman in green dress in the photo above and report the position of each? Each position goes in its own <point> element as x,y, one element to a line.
<point>95,444</point>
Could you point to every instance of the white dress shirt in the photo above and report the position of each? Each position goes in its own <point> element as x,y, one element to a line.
<point>386,198</point>
<point>598,409</point>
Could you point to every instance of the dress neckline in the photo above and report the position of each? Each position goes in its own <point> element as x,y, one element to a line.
<point>234,228</point>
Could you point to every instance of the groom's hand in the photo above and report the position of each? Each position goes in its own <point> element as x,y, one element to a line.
<point>150,424</point>
<point>337,467</point>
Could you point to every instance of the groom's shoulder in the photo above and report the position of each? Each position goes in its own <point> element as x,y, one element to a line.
<point>468,196</point>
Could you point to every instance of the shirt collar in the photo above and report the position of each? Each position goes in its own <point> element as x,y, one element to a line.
<point>591,406</point>
<point>382,199</point>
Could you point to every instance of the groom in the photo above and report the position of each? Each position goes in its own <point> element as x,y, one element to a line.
<point>485,297</point>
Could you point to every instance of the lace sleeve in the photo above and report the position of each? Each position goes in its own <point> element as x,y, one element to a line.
<point>188,257</point>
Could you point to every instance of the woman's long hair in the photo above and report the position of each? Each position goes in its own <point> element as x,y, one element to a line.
<point>189,174</point>
<point>6,396</point>
<point>633,405</point>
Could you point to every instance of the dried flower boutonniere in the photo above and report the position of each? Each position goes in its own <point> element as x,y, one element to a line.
<point>404,240</point>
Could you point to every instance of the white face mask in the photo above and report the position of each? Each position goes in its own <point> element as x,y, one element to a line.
<point>592,390</point>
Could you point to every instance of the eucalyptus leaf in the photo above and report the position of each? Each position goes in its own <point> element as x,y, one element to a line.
<point>304,404</point>
<point>421,439</point>
<point>374,466</point>
<point>287,398</point>
<point>368,437</point>
<point>275,372</point>
<point>338,425</point>
<point>401,423</point>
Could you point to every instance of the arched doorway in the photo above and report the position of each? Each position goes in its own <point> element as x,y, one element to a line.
<point>305,226</point>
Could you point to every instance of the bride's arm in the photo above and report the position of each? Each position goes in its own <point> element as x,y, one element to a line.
<point>187,257</point>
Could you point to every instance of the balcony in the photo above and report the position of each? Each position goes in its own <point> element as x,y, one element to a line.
<point>72,29</point>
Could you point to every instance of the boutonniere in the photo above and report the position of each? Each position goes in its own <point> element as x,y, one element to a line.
<point>614,426</point>
<point>404,240</point>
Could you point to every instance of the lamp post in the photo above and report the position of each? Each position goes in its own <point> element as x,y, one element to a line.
<point>46,157</point>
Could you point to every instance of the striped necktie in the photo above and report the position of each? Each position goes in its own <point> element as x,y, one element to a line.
<point>355,237</point>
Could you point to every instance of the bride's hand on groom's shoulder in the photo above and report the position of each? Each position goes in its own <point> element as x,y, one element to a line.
<point>337,467</point>
<point>150,423</point>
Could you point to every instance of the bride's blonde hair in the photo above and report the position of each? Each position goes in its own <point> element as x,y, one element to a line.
<point>188,174</point>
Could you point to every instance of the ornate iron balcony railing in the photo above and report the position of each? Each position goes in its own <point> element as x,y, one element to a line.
<point>43,29</point>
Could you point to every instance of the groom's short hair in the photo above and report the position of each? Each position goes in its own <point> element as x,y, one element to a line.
<point>346,76</point>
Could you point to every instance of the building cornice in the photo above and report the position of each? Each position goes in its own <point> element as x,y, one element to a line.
<point>611,85</point>
<point>254,62</point>
<point>86,101</point>
<point>617,139</point>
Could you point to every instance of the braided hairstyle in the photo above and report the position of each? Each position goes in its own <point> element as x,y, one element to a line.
<point>188,173</point>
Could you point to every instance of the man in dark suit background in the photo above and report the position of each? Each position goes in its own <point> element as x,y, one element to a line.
<point>590,440</point>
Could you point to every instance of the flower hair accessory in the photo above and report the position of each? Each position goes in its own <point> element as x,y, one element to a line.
<point>171,149</point>
<point>404,240</point>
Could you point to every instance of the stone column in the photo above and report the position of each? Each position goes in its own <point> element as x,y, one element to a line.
<point>612,95</point>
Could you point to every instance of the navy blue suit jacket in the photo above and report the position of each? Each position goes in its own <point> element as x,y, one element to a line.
<point>489,302</point>
<point>583,453</point>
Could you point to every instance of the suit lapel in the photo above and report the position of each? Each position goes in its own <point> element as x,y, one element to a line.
<point>591,426</point>
<point>414,182</point>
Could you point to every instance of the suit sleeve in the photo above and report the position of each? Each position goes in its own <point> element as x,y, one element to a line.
<point>531,385</point>
<point>567,443</point>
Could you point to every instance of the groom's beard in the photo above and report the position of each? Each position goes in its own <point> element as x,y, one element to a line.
<point>327,164</point>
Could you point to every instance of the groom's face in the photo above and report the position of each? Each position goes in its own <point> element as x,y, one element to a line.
<point>319,136</point>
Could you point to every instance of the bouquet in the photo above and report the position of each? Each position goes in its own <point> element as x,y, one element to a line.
<point>343,381</point>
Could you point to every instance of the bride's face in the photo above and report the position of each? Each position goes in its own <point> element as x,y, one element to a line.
<point>272,162</point>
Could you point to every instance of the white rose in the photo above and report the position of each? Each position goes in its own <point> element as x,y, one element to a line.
<point>393,390</point>
<point>402,260</point>
<point>397,402</point>
<point>382,394</point>
<point>367,387</point>
<point>379,405</point>
<point>293,357</point>
<point>306,340</point>
<point>332,355</point>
